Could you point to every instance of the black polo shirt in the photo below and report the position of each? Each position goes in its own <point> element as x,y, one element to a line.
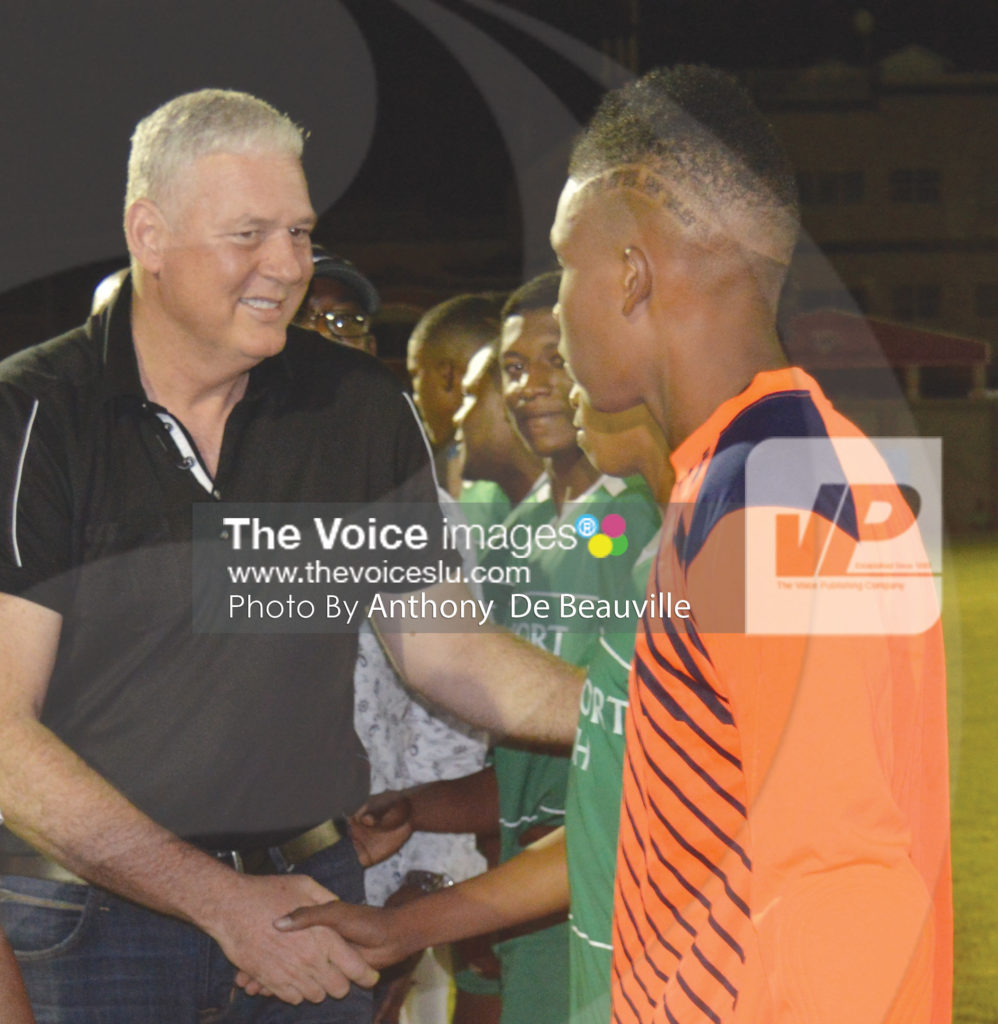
<point>209,734</point>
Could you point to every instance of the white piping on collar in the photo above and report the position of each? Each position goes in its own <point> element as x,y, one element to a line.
<point>187,452</point>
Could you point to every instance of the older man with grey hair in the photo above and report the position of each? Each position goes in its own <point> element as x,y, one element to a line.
<point>142,761</point>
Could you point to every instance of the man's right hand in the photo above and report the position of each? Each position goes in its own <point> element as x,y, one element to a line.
<point>294,966</point>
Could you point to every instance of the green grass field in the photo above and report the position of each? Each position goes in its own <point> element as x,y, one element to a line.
<point>970,615</point>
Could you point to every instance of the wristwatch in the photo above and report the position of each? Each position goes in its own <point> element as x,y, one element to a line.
<point>427,881</point>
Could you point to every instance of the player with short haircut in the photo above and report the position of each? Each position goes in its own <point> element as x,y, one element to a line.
<point>783,850</point>
<point>441,343</point>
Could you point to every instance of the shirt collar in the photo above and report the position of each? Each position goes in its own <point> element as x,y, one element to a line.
<point>112,331</point>
<point>695,448</point>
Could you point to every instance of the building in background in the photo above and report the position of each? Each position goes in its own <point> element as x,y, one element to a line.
<point>898,173</point>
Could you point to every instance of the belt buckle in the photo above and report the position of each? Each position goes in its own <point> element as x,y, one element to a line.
<point>233,858</point>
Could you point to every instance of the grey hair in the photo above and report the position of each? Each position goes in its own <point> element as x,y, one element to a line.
<point>197,124</point>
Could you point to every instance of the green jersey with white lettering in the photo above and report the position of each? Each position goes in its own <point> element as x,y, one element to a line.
<point>592,810</point>
<point>559,609</point>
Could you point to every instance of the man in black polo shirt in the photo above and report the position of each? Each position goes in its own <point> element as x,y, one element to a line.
<point>121,729</point>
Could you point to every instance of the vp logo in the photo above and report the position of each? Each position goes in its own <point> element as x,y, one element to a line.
<point>824,541</point>
<point>843,536</point>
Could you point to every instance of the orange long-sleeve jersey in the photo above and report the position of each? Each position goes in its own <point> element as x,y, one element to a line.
<point>784,842</point>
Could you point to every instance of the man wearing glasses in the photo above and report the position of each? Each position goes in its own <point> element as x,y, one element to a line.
<point>340,302</point>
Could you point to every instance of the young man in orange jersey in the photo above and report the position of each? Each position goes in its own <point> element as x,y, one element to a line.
<point>783,851</point>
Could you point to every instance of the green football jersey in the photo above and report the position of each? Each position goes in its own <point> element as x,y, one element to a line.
<point>592,810</point>
<point>558,609</point>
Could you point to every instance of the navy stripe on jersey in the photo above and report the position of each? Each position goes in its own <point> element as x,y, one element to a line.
<point>697,769</point>
<point>691,632</point>
<point>789,414</point>
<point>717,975</point>
<point>691,807</point>
<point>673,909</point>
<point>721,932</point>
<point>712,868</point>
<point>698,896</point>
<point>650,921</point>
<point>664,978</point>
<point>696,1000</point>
<point>630,1003</point>
<point>693,678</point>
<point>672,706</point>
<point>642,956</point>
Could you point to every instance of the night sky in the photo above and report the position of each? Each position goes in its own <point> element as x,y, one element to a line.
<point>410,137</point>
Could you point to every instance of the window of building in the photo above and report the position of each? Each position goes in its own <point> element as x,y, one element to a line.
<point>917,301</point>
<point>916,185</point>
<point>830,188</point>
<point>986,299</point>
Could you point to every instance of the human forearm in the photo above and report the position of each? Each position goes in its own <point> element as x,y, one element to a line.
<point>64,809</point>
<point>68,812</point>
<point>532,885</point>
<point>488,677</point>
<point>384,824</point>
<point>467,804</point>
<point>55,801</point>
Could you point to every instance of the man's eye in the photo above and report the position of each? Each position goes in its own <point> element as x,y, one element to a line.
<point>248,236</point>
<point>557,362</point>
<point>300,234</point>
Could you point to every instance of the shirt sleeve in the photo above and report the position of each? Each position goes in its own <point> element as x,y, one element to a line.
<point>36,534</point>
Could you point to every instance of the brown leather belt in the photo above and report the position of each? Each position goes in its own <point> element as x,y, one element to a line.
<point>273,860</point>
<point>263,860</point>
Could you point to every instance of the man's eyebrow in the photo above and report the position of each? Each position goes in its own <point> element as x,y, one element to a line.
<point>249,220</point>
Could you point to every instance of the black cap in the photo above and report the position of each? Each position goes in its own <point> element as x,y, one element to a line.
<point>340,269</point>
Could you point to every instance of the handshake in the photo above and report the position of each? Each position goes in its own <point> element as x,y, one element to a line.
<point>317,944</point>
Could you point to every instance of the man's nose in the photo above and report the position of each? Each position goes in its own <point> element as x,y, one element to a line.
<point>285,259</point>
<point>535,381</point>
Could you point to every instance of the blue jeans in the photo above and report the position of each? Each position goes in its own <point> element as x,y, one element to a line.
<point>89,957</point>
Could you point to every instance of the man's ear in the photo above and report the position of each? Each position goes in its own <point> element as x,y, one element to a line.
<point>637,279</point>
<point>146,232</point>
